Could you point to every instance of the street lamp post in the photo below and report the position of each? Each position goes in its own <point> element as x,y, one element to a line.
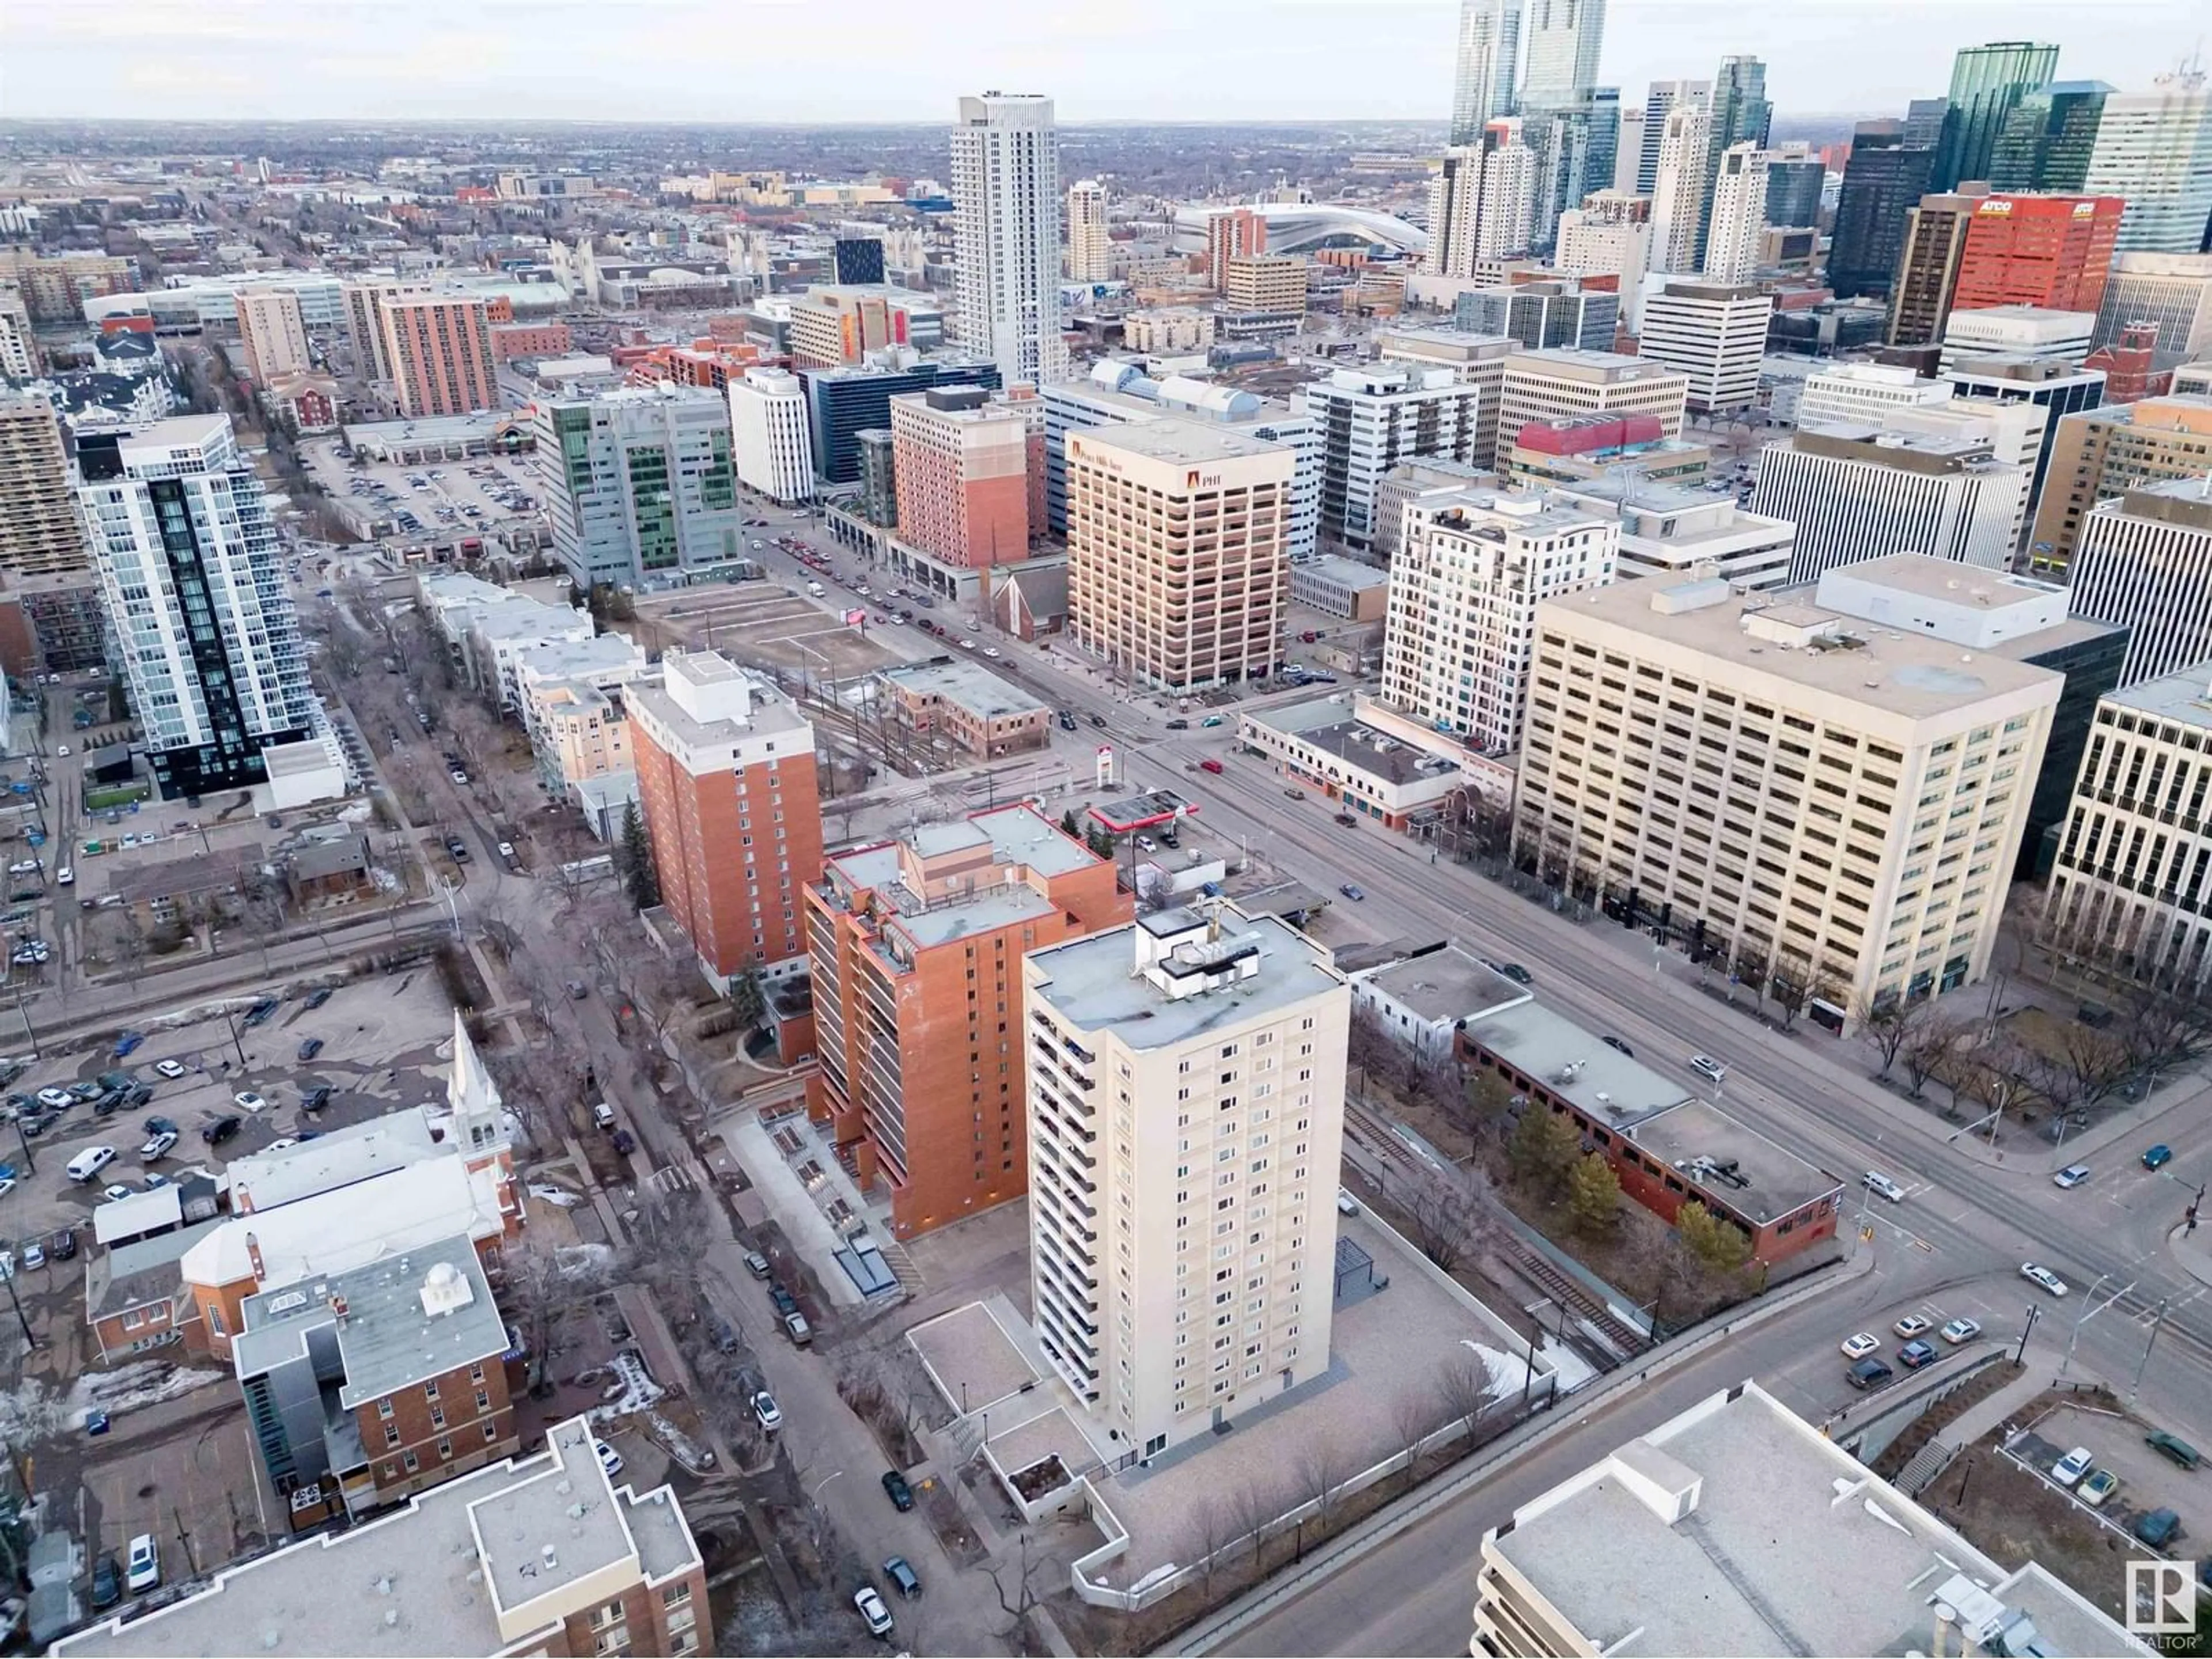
<point>2090,1313</point>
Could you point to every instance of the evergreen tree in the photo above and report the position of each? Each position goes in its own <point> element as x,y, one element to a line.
<point>639,880</point>
<point>1715,1245</point>
<point>1592,1195</point>
<point>1544,1148</point>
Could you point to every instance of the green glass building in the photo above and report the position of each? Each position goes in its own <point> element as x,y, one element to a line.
<point>1987,85</point>
<point>2045,143</point>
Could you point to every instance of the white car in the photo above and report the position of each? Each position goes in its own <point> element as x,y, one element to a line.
<point>64,877</point>
<point>7,1185</point>
<point>1875,1182</point>
<point>769,1413</point>
<point>1912,1325</point>
<point>610,1459</point>
<point>2072,1175</point>
<point>59,1100</point>
<point>117,1192</point>
<point>991,651</point>
<point>169,1068</point>
<point>145,1570</point>
<point>873,1612</point>
<point>507,851</point>
<point>2072,1466</point>
<point>247,1100</point>
<point>1960,1330</point>
<point>1859,1346</point>
<point>967,645</point>
<point>282,1143</point>
<point>560,1197</point>
<point>89,1162</point>
<point>158,1147</point>
<point>2041,1275</point>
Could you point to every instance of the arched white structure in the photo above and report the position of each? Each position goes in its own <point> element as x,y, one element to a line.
<point>1301,227</point>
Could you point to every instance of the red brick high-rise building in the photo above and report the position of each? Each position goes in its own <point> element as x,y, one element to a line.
<point>2050,251</point>
<point>726,778</point>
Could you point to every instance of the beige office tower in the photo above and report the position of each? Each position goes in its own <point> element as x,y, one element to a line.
<point>1186,1100</point>
<point>2099,453</point>
<point>1090,258</point>
<point>1561,383</point>
<point>39,532</point>
<point>1807,795</point>
<point>1176,569</point>
<point>273,333</point>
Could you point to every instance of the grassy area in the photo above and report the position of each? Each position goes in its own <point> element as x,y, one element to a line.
<point>2016,1518</point>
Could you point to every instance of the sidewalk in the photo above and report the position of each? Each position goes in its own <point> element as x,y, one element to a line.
<point>2193,1251</point>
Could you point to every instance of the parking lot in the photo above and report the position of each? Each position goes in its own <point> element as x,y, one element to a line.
<point>2148,1481</point>
<point>439,496</point>
<point>385,1043</point>
<point>766,625</point>
<point>188,1477</point>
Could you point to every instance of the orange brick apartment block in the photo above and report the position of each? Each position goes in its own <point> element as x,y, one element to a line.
<point>726,778</point>
<point>440,351</point>
<point>963,461</point>
<point>916,948</point>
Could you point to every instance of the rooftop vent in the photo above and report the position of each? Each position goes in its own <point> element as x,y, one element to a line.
<point>445,1289</point>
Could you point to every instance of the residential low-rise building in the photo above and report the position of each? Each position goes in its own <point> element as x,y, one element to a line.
<point>538,1555</point>
<point>1425,1000</point>
<point>1167,329</point>
<point>977,714</point>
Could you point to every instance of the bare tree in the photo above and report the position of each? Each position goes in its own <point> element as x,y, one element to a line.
<point>1790,981</point>
<point>1888,1024</point>
<point>543,1292</point>
<point>1210,1535</point>
<point>1930,1050</point>
<point>1254,1506</point>
<point>1445,1217</point>
<point>1463,1384</point>
<point>1015,1585</point>
<point>2165,1027</point>
<point>1413,1415</point>
<point>1322,1467</point>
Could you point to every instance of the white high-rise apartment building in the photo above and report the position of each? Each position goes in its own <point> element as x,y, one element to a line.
<point>1853,394</point>
<point>273,334</point>
<point>1176,573</point>
<point>1509,197</point>
<point>1186,1097</point>
<point>19,348</point>
<point>1678,192</point>
<point>639,484</point>
<point>1563,383</point>
<point>1464,587</point>
<point>1483,73</point>
<point>1374,417</point>
<point>1608,236</point>
<point>192,570</point>
<point>2132,886</point>
<point>1842,806</point>
<point>1628,151</point>
<point>2154,149</point>
<point>1855,493</point>
<point>1005,188</point>
<point>2145,562</point>
<point>1664,97</point>
<point>1738,235</point>
<point>1090,256</point>
<point>1713,332</point>
<point>768,434</point>
<point>1482,200</point>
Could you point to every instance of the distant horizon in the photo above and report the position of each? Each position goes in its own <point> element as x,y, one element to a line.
<point>1242,62</point>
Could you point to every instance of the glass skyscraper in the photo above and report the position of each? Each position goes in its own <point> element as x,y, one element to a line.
<point>1987,85</point>
<point>2045,143</point>
<point>1883,180</point>
<point>1489,52</point>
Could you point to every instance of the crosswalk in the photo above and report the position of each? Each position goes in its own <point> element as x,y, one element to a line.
<point>676,1178</point>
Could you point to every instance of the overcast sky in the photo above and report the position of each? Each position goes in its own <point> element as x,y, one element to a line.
<point>907,60</point>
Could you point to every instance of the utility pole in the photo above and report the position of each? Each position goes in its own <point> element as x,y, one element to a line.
<point>30,1339</point>
<point>2034,1313</point>
<point>2089,1314</point>
<point>2136,1387</point>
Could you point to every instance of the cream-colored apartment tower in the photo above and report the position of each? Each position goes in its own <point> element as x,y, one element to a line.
<point>1177,568</point>
<point>1559,384</point>
<point>1186,1101</point>
<point>1837,801</point>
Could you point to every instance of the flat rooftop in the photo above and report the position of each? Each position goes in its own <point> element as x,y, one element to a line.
<point>968,686</point>
<point>1172,439</point>
<point>360,1152</point>
<point>1788,1544</point>
<point>1775,1180</point>
<point>770,714</point>
<point>1448,984</point>
<point>413,1581</point>
<point>1577,364</point>
<point>1900,675</point>
<point>1345,573</point>
<point>1140,811</point>
<point>2185,696</point>
<point>1091,983</point>
<point>1602,1083</point>
<point>1925,576</point>
<point>1332,728</point>
<point>406,1318</point>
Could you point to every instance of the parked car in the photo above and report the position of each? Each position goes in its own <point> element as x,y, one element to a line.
<point>2072,1466</point>
<point>1960,1330</point>
<point>623,1142</point>
<point>316,999</point>
<point>62,1247</point>
<point>896,1488</point>
<point>310,1048</point>
<point>2096,1487</point>
<point>1860,1345</point>
<point>106,1577</point>
<point>1913,1355</point>
<point>89,1162</point>
<point>904,1579</point>
<point>756,1264</point>
<point>34,1253</point>
<point>157,1148</point>
<point>145,1570</point>
<point>766,1413</point>
<point>222,1129</point>
<point>250,1101</point>
<point>784,1301</point>
<point>796,1328</point>
<point>873,1612</point>
<point>610,1459</point>
<point>1869,1375</point>
<point>2158,1529</point>
<point>169,1068</point>
<point>1912,1325</point>
<point>258,1014</point>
